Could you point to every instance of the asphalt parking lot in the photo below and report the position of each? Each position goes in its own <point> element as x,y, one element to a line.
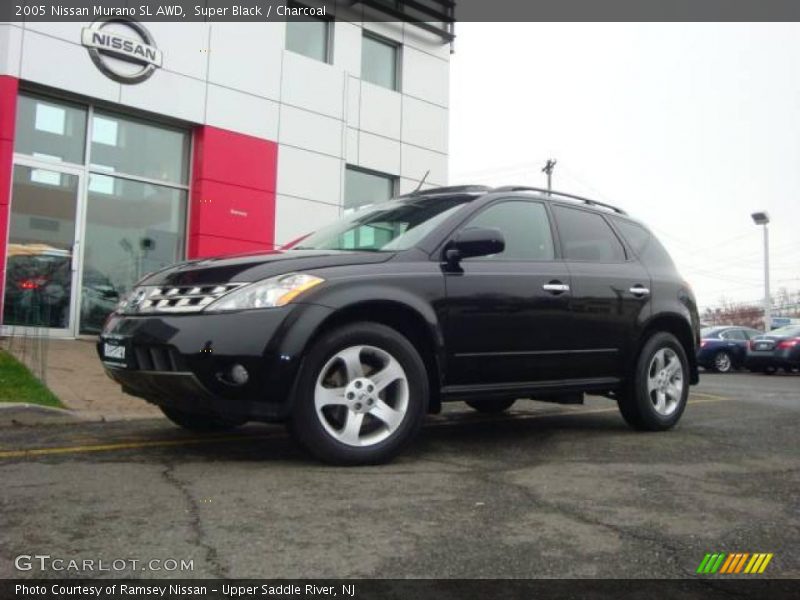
<point>547,491</point>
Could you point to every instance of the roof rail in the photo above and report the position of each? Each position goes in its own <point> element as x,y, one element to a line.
<point>453,189</point>
<point>589,201</point>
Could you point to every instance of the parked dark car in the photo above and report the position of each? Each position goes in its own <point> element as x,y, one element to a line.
<point>778,349</point>
<point>463,293</point>
<point>723,349</point>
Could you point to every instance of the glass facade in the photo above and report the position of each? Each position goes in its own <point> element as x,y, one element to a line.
<point>119,206</point>
<point>366,187</point>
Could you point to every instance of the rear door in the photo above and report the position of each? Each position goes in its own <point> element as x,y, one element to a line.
<point>508,314</point>
<point>610,293</point>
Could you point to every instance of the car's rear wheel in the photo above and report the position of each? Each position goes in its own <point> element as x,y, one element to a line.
<point>723,363</point>
<point>490,407</point>
<point>655,395</point>
<point>200,422</point>
<point>362,394</point>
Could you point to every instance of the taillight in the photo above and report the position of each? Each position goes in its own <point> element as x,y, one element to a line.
<point>788,344</point>
<point>751,344</point>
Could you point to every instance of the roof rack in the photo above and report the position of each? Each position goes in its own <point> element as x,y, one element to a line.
<point>453,189</point>
<point>589,201</point>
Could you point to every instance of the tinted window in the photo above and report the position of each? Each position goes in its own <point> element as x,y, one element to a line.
<point>379,62</point>
<point>644,244</point>
<point>364,187</point>
<point>734,334</point>
<point>525,227</point>
<point>587,236</point>
<point>308,36</point>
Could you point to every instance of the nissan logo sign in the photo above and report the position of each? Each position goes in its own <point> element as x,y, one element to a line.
<point>122,49</point>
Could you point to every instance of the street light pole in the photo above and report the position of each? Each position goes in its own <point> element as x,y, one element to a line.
<point>762,218</point>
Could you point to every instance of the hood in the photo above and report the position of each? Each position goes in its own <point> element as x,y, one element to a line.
<point>254,267</point>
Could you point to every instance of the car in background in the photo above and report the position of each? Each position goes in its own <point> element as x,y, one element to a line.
<point>778,349</point>
<point>724,348</point>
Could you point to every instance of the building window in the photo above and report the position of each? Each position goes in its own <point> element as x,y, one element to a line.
<point>309,36</point>
<point>362,187</point>
<point>380,61</point>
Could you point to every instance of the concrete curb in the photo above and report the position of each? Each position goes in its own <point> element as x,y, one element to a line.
<point>23,413</point>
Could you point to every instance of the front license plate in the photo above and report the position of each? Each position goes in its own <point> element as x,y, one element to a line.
<point>115,351</point>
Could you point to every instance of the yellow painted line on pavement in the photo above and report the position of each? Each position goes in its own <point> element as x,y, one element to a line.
<point>142,444</point>
<point>32,452</point>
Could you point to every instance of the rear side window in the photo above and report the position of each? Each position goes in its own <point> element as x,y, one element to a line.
<point>644,244</point>
<point>525,227</point>
<point>586,236</point>
<point>734,334</point>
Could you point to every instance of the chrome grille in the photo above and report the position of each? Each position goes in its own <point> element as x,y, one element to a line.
<point>153,299</point>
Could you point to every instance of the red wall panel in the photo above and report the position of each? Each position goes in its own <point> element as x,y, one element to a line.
<point>9,86</point>
<point>232,205</point>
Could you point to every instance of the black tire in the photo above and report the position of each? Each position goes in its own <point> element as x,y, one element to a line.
<point>722,362</point>
<point>490,407</point>
<point>770,370</point>
<point>306,424</point>
<point>636,404</point>
<point>200,423</point>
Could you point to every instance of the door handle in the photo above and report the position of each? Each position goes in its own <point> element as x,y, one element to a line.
<point>555,287</point>
<point>640,291</point>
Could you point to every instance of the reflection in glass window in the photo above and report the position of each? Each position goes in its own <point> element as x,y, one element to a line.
<point>379,62</point>
<point>367,187</point>
<point>132,228</point>
<point>50,129</point>
<point>137,148</point>
<point>309,37</point>
<point>525,228</point>
<point>41,235</point>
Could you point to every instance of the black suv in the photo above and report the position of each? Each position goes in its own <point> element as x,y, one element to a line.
<point>356,331</point>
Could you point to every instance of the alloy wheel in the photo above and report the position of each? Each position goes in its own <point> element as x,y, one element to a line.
<point>361,395</point>
<point>665,381</point>
<point>722,362</point>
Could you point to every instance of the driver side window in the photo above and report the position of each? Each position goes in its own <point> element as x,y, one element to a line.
<point>525,227</point>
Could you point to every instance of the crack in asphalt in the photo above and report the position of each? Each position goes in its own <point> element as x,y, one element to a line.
<point>484,475</point>
<point>211,555</point>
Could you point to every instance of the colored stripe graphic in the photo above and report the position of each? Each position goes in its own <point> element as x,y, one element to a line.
<point>734,563</point>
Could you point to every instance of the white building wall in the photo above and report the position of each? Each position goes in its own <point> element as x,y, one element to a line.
<point>239,76</point>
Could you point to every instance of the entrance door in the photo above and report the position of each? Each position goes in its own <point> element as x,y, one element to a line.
<point>42,254</point>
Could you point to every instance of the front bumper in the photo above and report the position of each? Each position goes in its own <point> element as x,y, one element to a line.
<point>183,361</point>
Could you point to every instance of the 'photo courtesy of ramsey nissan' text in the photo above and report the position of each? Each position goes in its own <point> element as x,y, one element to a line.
<point>399,299</point>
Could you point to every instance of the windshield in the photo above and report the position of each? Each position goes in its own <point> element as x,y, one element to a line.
<point>388,226</point>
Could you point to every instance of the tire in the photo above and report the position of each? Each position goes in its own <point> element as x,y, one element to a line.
<point>199,422</point>
<point>723,362</point>
<point>654,397</point>
<point>365,369</point>
<point>770,370</point>
<point>490,407</point>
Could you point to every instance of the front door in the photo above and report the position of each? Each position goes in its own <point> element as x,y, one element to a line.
<point>42,254</point>
<point>508,318</point>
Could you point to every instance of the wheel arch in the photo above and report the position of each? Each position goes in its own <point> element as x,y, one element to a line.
<point>418,325</point>
<point>678,326</point>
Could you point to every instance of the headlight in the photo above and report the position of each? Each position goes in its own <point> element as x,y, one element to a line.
<point>276,291</point>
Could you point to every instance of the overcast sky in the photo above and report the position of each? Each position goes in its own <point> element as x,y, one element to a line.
<point>689,127</point>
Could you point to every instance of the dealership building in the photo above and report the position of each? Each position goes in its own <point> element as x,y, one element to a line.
<point>127,146</point>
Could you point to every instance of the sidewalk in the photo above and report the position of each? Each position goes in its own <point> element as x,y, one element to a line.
<point>76,376</point>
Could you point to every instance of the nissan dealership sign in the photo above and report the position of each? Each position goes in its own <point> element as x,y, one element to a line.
<point>122,49</point>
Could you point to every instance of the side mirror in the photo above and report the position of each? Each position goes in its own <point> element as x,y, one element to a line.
<point>477,241</point>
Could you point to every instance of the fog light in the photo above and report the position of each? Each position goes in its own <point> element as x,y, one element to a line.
<point>238,374</point>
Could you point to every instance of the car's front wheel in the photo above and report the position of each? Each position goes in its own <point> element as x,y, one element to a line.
<point>361,396</point>
<point>655,395</point>
<point>200,422</point>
